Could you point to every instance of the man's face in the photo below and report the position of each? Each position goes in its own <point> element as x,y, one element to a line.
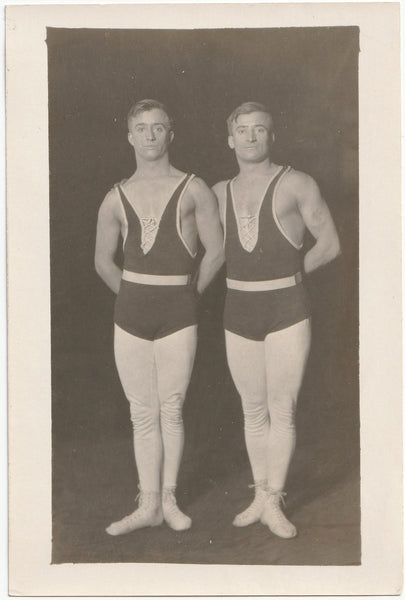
<point>150,135</point>
<point>252,137</point>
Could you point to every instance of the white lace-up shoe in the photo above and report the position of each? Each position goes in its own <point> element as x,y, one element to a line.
<point>253,512</point>
<point>148,514</point>
<point>171,512</point>
<point>274,517</point>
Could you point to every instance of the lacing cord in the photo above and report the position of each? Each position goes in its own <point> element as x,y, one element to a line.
<point>170,488</point>
<point>259,484</point>
<point>279,494</point>
<point>169,494</point>
<point>149,231</point>
<point>142,494</point>
<point>248,231</point>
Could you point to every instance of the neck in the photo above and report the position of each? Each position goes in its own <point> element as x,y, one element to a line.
<point>249,170</point>
<point>150,169</point>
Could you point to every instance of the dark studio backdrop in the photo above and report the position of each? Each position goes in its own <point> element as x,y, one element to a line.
<point>308,78</point>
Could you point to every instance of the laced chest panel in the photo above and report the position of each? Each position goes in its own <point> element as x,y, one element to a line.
<point>248,228</point>
<point>256,248</point>
<point>152,241</point>
<point>150,227</point>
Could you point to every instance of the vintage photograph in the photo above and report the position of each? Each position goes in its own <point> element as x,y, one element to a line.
<point>204,300</point>
<point>202,412</point>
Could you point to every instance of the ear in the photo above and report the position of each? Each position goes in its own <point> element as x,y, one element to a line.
<point>231,142</point>
<point>272,138</point>
<point>171,136</point>
<point>130,140</point>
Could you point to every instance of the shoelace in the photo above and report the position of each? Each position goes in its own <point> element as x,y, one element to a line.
<point>260,485</point>
<point>277,512</point>
<point>257,500</point>
<point>169,499</point>
<point>170,503</point>
<point>257,484</point>
<point>280,496</point>
<point>142,499</point>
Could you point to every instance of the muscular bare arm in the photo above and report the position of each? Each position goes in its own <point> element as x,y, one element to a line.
<point>219,190</point>
<point>318,221</point>
<point>108,235</point>
<point>210,233</point>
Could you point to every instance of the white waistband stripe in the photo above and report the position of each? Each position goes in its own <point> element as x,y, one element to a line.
<point>263,286</point>
<point>155,279</point>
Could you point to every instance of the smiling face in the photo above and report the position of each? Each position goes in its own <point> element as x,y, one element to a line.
<point>252,136</point>
<point>150,134</point>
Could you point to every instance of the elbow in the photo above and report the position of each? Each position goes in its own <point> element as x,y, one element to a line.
<point>220,257</point>
<point>329,247</point>
<point>99,266</point>
<point>331,252</point>
<point>335,249</point>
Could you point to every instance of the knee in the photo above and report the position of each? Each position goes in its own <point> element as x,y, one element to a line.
<point>144,418</point>
<point>171,413</point>
<point>282,407</point>
<point>256,417</point>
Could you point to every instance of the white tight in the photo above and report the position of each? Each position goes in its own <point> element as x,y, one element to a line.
<point>155,376</point>
<point>268,377</point>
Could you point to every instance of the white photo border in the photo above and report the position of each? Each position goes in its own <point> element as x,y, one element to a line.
<point>31,572</point>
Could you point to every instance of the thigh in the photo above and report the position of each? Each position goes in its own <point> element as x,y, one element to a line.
<point>135,360</point>
<point>174,355</point>
<point>246,360</point>
<point>286,357</point>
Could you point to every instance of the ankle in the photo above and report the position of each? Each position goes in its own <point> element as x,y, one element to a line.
<point>148,498</point>
<point>169,494</point>
<point>260,488</point>
<point>276,495</point>
<point>274,517</point>
<point>172,514</point>
<point>260,484</point>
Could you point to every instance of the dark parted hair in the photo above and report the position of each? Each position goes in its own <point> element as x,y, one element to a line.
<point>145,106</point>
<point>245,109</point>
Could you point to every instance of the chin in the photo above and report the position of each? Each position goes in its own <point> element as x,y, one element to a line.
<point>255,159</point>
<point>152,155</point>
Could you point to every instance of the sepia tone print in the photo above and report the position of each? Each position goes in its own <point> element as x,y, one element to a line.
<point>308,77</point>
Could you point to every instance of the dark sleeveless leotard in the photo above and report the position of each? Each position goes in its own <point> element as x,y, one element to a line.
<point>155,311</point>
<point>255,314</point>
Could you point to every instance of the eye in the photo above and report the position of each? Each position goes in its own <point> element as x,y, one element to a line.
<point>139,129</point>
<point>260,130</point>
<point>159,129</point>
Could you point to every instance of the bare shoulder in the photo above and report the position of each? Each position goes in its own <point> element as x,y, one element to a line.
<point>109,207</point>
<point>198,185</point>
<point>219,189</point>
<point>300,184</point>
<point>301,187</point>
<point>199,190</point>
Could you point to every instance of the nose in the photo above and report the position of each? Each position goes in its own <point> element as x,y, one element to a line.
<point>150,134</point>
<point>251,134</point>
